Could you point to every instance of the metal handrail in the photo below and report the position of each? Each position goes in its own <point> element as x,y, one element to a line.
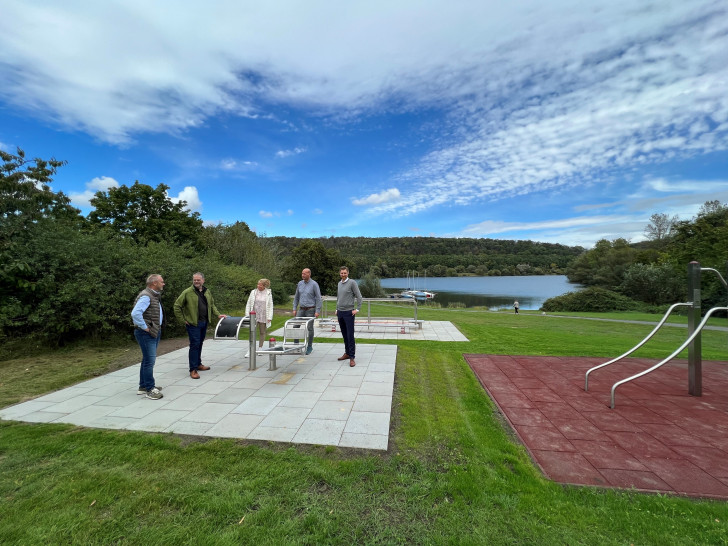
<point>640,344</point>
<point>717,273</point>
<point>369,301</point>
<point>673,355</point>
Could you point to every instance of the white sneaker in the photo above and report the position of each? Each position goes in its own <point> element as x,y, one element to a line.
<point>247,355</point>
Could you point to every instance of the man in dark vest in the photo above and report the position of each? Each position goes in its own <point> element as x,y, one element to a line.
<point>148,317</point>
<point>195,307</point>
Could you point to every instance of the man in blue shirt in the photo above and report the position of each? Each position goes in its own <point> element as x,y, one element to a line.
<point>148,316</point>
<point>308,301</point>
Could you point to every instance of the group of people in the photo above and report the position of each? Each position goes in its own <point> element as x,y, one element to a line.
<point>195,307</point>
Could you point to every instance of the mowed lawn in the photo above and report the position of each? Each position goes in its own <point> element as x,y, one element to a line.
<point>453,473</point>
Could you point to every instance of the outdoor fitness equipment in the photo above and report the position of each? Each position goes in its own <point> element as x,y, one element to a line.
<point>693,341</point>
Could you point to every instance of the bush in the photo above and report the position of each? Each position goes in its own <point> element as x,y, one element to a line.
<point>653,284</point>
<point>592,299</point>
<point>371,287</point>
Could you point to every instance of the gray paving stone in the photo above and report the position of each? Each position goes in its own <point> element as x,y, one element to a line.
<point>272,390</point>
<point>300,399</point>
<point>234,426</point>
<point>257,405</point>
<point>85,416</point>
<point>42,416</point>
<point>364,441</point>
<point>376,404</point>
<point>189,401</point>
<point>368,423</point>
<point>20,410</point>
<point>273,434</point>
<point>377,389</point>
<point>331,409</point>
<point>233,396</point>
<point>189,427</point>
<point>347,394</point>
<point>209,412</point>
<point>158,421</point>
<point>311,385</point>
<point>320,431</point>
<point>285,417</point>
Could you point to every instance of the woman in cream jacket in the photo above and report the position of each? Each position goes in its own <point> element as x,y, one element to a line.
<point>261,301</point>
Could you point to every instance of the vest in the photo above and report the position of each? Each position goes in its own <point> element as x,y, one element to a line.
<point>151,315</point>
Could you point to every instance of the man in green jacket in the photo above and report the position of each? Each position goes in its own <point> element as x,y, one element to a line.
<point>195,306</point>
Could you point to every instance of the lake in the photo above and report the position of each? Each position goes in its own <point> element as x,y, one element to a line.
<point>494,292</point>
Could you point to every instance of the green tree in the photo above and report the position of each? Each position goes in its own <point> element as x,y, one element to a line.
<point>604,265</point>
<point>323,263</point>
<point>371,287</point>
<point>27,207</point>
<point>654,284</point>
<point>145,214</point>
<point>660,227</point>
<point>238,244</point>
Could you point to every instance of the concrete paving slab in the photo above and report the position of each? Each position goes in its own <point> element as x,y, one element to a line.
<point>312,399</point>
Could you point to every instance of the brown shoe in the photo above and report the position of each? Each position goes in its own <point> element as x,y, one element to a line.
<point>352,363</point>
<point>202,368</point>
<point>194,374</point>
<point>343,357</point>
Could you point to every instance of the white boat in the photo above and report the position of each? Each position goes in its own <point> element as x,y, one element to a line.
<point>413,291</point>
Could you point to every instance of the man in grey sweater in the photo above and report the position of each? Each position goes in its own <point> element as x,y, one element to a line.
<point>348,304</point>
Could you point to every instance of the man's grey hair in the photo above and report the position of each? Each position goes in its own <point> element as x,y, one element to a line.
<point>151,279</point>
<point>200,274</point>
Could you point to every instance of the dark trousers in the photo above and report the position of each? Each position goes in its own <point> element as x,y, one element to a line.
<point>196,334</point>
<point>346,323</point>
<point>148,345</point>
<point>308,313</point>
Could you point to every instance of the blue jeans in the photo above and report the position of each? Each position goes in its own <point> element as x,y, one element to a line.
<point>197,338</point>
<point>346,323</point>
<point>148,345</point>
<point>308,313</point>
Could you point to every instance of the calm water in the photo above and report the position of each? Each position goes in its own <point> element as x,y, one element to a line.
<point>494,292</point>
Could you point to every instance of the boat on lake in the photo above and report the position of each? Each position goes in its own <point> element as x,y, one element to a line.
<point>414,292</point>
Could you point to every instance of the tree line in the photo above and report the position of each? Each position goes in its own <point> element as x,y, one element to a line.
<point>386,257</point>
<point>66,276</point>
<point>652,274</point>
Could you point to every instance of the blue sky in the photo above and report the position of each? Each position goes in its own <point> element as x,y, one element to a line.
<point>563,121</point>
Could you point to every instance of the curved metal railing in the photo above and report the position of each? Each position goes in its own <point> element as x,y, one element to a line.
<point>673,355</point>
<point>640,344</point>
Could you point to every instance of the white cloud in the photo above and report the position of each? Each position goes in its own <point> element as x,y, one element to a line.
<point>288,153</point>
<point>289,212</point>
<point>265,214</point>
<point>386,196</point>
<point>535,96</point>
<point>190,195</point>
<point>100,183</point>
<point>317,211</point>
<point>230,164</point>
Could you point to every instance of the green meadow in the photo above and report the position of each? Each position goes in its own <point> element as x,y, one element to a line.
<point>453,474</point>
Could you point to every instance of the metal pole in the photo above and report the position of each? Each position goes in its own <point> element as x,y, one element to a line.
<point>695,363</point>
<point>253,332</point>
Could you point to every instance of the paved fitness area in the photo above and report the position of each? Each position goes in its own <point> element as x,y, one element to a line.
<point>312,399</point>
<point>658,438</point>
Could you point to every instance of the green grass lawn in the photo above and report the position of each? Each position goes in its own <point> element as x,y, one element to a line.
<point>453,474</point>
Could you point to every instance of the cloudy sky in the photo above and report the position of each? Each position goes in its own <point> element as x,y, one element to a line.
<point>563,121</point>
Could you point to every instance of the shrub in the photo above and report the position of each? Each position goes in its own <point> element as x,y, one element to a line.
<point>592,299</point>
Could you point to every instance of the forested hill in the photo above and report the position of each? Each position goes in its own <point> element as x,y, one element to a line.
<point>395,256</point>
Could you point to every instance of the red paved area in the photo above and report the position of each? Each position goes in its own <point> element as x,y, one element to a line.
<point>658,437</point>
